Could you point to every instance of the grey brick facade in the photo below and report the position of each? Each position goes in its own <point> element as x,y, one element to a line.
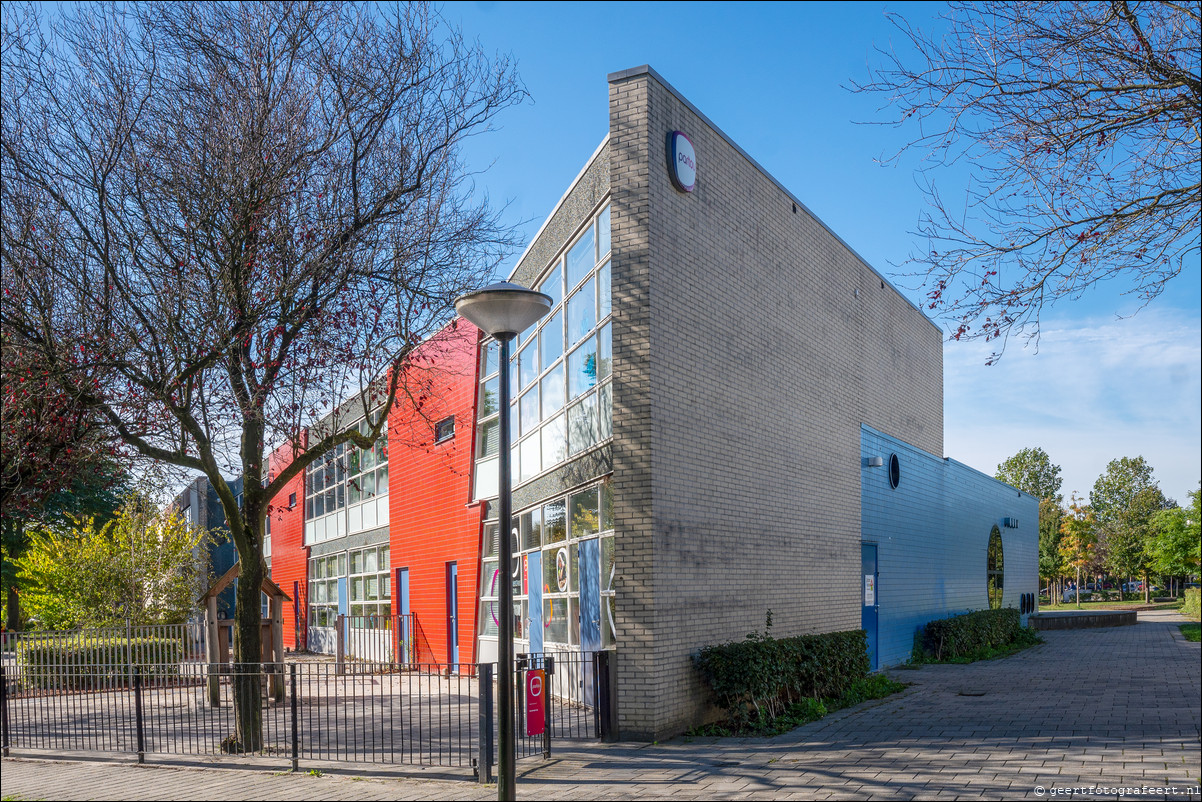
<point>750,347</point>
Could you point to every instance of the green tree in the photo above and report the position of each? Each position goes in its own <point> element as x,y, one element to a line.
<point>1079,540</point>
<point>143,566</point>
<point>1175,548</point>
<point>1051,561</point>
<point>1031,470</point>
<point>1124,499</point>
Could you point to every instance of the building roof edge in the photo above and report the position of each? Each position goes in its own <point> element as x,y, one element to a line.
<point>646,69</point>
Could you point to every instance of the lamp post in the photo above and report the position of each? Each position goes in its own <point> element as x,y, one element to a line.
<point>504,310</point>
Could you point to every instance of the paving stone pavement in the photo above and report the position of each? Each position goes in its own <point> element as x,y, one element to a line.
<point>1100,713</point>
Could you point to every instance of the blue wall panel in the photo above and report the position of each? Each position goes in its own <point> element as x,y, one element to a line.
<point>932,532</point>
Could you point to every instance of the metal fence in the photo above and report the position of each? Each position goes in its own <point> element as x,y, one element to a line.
<point>412,714</point>
<point>427,713</point>
<point>127,644</point>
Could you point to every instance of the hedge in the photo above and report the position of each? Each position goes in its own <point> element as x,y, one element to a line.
<point>758,678</point>
<point>55,663</point>
<point>1192,605</point>
<point>971,633</point>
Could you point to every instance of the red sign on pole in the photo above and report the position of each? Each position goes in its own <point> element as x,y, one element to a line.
<point>536,710</point>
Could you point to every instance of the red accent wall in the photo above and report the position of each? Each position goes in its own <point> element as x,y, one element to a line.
<point>289,556</point>
<point>432,518</point>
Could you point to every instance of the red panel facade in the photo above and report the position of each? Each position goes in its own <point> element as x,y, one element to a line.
<point>432,519</point>
<point>289,556</point>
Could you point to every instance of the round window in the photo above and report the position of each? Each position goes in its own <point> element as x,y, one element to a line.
<point>894,470</point>
<point>995,569</point>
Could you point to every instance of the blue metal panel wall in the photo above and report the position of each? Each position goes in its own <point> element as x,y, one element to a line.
<point>932,532</point>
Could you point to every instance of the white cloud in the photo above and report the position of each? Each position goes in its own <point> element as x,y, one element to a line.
<point>1096,391</point>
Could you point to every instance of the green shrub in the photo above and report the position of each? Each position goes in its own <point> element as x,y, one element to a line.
<point>972,634</point>
<point>1192,605</point>
<point>93,663</point>
<point>756,680</point>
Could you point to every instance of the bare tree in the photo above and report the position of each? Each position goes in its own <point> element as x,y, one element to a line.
<point>1079,124</point>
<point>221,219</point>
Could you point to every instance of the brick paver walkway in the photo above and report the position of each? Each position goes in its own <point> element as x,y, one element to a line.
<point>1111,709</point>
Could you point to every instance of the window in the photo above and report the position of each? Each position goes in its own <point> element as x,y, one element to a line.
<point>559,369</point>
<point>370,591</point>
<point>324,573</point>
<point>894,471</point>
<point>994,570</point>
<point>444,430</point>
<point>292,501</point>
<point>560,534</point>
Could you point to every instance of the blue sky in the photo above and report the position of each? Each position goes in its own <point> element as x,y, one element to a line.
<point>1104,384</point>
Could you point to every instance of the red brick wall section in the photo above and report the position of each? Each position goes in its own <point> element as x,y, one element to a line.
<point>432,518</point>
<point>289,556</point>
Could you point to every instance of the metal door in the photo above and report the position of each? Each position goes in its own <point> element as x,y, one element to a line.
<point>870,599</point>
<point>453,615</point>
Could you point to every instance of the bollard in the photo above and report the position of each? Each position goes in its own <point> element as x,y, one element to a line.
<point>3,712</point>
<point>484,761</point>
<point>138,714</point>
<point>548,696</point>
<point>295,729</point>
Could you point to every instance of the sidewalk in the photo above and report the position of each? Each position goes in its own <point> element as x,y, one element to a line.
<point>1118,707</point>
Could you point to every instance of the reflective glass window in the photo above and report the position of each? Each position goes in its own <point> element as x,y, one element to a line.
<point>603,296</point>
<point>553,285</point>
<point>552,338</point>
<point>552,391</point>
<point>555,441</point>
<point>582,368</point>
<point>603,232</point>
<point>583,430</point>
<point>582,311</point>
<point>581,258</point>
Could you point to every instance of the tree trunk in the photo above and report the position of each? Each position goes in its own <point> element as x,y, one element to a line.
<point>12,614</point>
<point>248,707</point>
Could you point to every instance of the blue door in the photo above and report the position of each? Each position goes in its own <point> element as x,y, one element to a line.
<point>453,615</point>
<point>870,599</point>
<point>405,633</point>
<point>590,611</point>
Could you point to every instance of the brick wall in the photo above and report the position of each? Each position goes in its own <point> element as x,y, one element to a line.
<point>750,343</point>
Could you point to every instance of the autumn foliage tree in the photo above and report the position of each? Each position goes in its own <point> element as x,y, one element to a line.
<point>223,219</point>
<point>1078,125</point>
<point>1079,540</point>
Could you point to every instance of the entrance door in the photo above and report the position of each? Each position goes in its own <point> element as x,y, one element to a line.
<point>870,599</point>
<point>590,610</point>
<point>453,615</point>
<point>404,632</point>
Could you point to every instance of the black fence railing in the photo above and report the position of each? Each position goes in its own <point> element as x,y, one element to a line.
<point>577,704</point>
<point>427,714</point>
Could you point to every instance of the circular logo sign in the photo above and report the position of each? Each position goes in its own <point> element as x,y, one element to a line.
<point>683,161</point>
<point>561,569</point>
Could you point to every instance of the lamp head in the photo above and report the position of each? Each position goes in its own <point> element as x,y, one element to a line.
<point>504,309</point>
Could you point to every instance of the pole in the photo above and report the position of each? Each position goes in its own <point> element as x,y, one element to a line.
<point>507,757</point>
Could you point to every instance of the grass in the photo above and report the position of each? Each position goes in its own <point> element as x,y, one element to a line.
<point>877,686</point>
<point>1192,632</point>
<point>1109,605</point>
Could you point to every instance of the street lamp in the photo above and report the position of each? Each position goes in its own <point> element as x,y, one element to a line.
<point>504,310</point>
